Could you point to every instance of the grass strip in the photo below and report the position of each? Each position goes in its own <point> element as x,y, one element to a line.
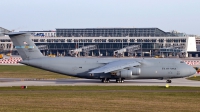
<point>99,98</point>
<point>197,78</point>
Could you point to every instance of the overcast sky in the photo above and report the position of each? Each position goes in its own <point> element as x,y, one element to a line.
<point>168,15</point>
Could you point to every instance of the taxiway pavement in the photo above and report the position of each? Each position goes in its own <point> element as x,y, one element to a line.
<point>6,82</point>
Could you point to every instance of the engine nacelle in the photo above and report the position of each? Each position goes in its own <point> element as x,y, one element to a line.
<point>135,71</point>
<point>124,73</point>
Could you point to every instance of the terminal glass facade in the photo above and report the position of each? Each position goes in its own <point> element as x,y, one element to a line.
<point>111,32</point>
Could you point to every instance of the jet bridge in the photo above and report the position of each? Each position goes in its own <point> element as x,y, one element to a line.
<point>173,51</point>
<point>84,49</point>
<point>130,49</point>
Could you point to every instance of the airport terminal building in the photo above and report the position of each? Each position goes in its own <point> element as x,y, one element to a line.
<point>110,42</point>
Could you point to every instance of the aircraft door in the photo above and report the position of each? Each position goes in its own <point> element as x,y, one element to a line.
<point>178,73</point>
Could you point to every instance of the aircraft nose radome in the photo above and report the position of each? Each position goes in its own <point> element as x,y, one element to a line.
<point>188,71</point>
<point>193,71</point>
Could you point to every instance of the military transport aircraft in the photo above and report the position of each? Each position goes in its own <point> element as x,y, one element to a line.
<point>100,68</point>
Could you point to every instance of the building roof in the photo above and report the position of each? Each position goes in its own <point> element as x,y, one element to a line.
<point>109,32</point>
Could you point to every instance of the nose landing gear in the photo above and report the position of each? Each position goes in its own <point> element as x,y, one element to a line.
<point>168,81</point>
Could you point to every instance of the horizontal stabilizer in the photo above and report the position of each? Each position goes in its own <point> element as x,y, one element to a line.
<point>15,33</point>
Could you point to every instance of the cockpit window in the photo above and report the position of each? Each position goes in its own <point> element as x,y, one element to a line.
<point>182,62</point>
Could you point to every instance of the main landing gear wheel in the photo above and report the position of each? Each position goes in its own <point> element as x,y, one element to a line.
<point>169,81</point>
<point>107,80</point>
<point>119,80</point>
<point>104,80</point>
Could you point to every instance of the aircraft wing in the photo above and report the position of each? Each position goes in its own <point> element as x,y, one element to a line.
<point>115,65</point>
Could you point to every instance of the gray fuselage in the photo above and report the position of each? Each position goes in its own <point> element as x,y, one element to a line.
<point>150,68</point>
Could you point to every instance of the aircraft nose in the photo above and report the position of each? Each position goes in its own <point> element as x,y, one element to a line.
<point>192,71</point>
<point>188,71</point>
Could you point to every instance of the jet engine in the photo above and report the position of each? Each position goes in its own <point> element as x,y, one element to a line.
<point>124,73</point>
<point>135,71</point>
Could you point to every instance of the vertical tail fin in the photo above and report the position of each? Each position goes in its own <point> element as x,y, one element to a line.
<point>25,46</point>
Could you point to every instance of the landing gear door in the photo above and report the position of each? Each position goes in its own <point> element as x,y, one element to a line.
<point>178,73</point>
